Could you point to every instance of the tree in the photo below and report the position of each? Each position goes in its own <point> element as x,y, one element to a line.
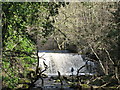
<point>91,27</point>
<point>23,24</point>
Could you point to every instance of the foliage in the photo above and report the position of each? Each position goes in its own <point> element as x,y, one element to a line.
<point>90,27</point>
<point>23,24</point>
<point>82,27</point>
<point>93,28</point>
<point>18,49</point>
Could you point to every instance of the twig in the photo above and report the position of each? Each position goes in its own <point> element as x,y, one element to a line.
<point>39,76</point>
<point>78,73</point>
<point>38,61</point>
<point>59,46</point>
<point>59,75</point>
<point>116,68</point>
<point>79,70</point>
<point>118,87</point>
<point>97,57</point>
<point>109,56</point>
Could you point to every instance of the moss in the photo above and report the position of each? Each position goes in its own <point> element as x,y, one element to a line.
<point>19,86</point>
<point>30,69</point>
<point>24,80</point>
<point>25,86</point>
<point>57,81</point>
<point>85,86</point>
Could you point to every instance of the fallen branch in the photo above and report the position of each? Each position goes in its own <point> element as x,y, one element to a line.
<point>109,56</point>
<point>97,58</point>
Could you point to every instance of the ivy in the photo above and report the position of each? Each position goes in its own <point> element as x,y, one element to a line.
<point>21,23</point>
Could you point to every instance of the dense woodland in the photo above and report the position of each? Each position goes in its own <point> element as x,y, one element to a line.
<point>84,27</point>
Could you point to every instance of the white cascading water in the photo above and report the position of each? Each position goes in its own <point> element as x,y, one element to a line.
<point>62,62</point>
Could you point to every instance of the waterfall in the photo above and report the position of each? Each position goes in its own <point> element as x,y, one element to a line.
<point>62,62</point>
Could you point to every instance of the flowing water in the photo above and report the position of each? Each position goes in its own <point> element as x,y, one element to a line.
<point>62,61</point>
